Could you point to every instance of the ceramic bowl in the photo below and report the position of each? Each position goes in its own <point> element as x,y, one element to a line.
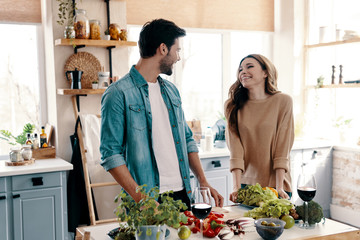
<point>269,232</point>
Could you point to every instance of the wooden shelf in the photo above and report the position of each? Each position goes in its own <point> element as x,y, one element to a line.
<point>94,43</point>
<point>80,91</point>
<point>347,85</point>
<point>353,40</point>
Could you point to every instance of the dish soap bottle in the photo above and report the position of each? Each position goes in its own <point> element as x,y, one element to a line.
<point>209,139</point>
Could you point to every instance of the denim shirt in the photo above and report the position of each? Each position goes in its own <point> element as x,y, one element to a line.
<point>126,129</point>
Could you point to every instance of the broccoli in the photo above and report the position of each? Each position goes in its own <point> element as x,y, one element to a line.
<point>315,212</point>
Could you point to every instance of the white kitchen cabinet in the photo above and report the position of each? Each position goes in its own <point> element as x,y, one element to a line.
<point>319,162</point>
<point>218,175</point>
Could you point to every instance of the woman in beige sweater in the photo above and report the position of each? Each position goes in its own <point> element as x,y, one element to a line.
<point>260,131</point>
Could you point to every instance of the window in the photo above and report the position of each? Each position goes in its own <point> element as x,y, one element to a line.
<point>21,80</point>
<point>208,65</point>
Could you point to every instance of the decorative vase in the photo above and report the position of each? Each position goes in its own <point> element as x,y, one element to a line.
<point>151,232</point>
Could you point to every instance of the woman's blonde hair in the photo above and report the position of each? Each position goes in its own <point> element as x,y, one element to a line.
<point>238,95</point>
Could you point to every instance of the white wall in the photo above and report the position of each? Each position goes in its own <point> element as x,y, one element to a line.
<point>288,48</point>
<point>60,108</point>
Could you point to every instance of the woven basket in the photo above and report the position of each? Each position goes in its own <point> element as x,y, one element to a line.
<point>87,63</point>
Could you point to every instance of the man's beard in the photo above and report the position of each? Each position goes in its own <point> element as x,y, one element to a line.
<point>166,66</point>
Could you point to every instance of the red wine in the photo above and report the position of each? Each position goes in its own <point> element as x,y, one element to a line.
<point>201,210</point>
<point>306,193</point>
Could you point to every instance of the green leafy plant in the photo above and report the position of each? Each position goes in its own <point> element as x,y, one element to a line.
<point>320,81</point>
<point>20,139</point>
<point>107,32</point>
<point>66,12</point>
<point>148,211</point>
<point>342,123</point>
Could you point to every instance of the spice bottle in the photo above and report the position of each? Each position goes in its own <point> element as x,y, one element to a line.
<point>35,141</point>
<point>81,25</point>
<point>69,32</point>
<point>28,140</point>
<point>43,138</point>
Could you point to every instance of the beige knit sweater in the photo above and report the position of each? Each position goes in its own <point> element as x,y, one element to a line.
<point>266,130</point>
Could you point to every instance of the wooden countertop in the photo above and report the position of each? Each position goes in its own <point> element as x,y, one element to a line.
<point>330,230</point>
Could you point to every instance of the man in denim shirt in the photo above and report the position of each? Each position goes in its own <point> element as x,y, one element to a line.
<point>144,135</point>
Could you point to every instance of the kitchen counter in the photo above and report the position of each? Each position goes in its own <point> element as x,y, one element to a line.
<point>40,166</point>
<point>216,152</point>
<point>328,230</point>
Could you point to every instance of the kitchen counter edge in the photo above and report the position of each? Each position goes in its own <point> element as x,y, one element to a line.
<point>40,166</point>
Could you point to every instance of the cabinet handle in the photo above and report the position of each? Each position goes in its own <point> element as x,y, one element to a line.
<point>216,163</point>
<point>16,196</point>
<point>314,154</point>
<point>37,181</point>
<point>2,197</point>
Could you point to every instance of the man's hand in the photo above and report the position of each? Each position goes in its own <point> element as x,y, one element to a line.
<point>219,200</point>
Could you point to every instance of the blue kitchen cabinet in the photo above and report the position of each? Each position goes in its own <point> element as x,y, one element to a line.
<point>4,215</point>
<point>36,207</point>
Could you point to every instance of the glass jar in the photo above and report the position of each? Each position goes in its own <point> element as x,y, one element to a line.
<point>26,152</point>
<point>81,25</point>
<point>15,155</point>
<point>114,31</point>
<point>95,29</point>
<point>69,32</point>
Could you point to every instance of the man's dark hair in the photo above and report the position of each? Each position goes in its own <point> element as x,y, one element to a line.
<point>156,32</point>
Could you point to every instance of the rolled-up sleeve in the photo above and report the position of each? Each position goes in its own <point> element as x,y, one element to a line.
<point>190,142</point>
<point>112,129</point>
<point>285,138</point>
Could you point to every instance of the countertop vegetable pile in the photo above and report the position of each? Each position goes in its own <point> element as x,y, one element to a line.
<point>255,195</point>
<point>212,225</point>
<point>272,208</point>
<point>316,213</point>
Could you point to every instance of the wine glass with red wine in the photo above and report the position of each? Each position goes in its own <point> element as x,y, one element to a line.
<point>306,188</point>
<point>201,204</point>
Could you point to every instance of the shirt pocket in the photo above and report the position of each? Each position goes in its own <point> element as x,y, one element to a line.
<point>178,110</point>
<point>138,116</point>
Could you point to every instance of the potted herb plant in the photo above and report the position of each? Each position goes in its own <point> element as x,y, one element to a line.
<point>66,12</point>
<point>147,217</point>
<point>95,85</point>
<point>107,34</point>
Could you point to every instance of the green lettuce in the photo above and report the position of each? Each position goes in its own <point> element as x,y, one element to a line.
<point>254,195</point>
<point>271,208</point>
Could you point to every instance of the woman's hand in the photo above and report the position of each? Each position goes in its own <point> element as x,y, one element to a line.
<point>233,196</point>
<point>282,193</point>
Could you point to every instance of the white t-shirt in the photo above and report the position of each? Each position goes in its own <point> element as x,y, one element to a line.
<point>163,142</point>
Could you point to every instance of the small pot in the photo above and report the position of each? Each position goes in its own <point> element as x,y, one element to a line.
<point>26,152</point>
<point>106,37</point>
<point>140,234</point>
<point>15,155</point>
<point>95,85</point>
